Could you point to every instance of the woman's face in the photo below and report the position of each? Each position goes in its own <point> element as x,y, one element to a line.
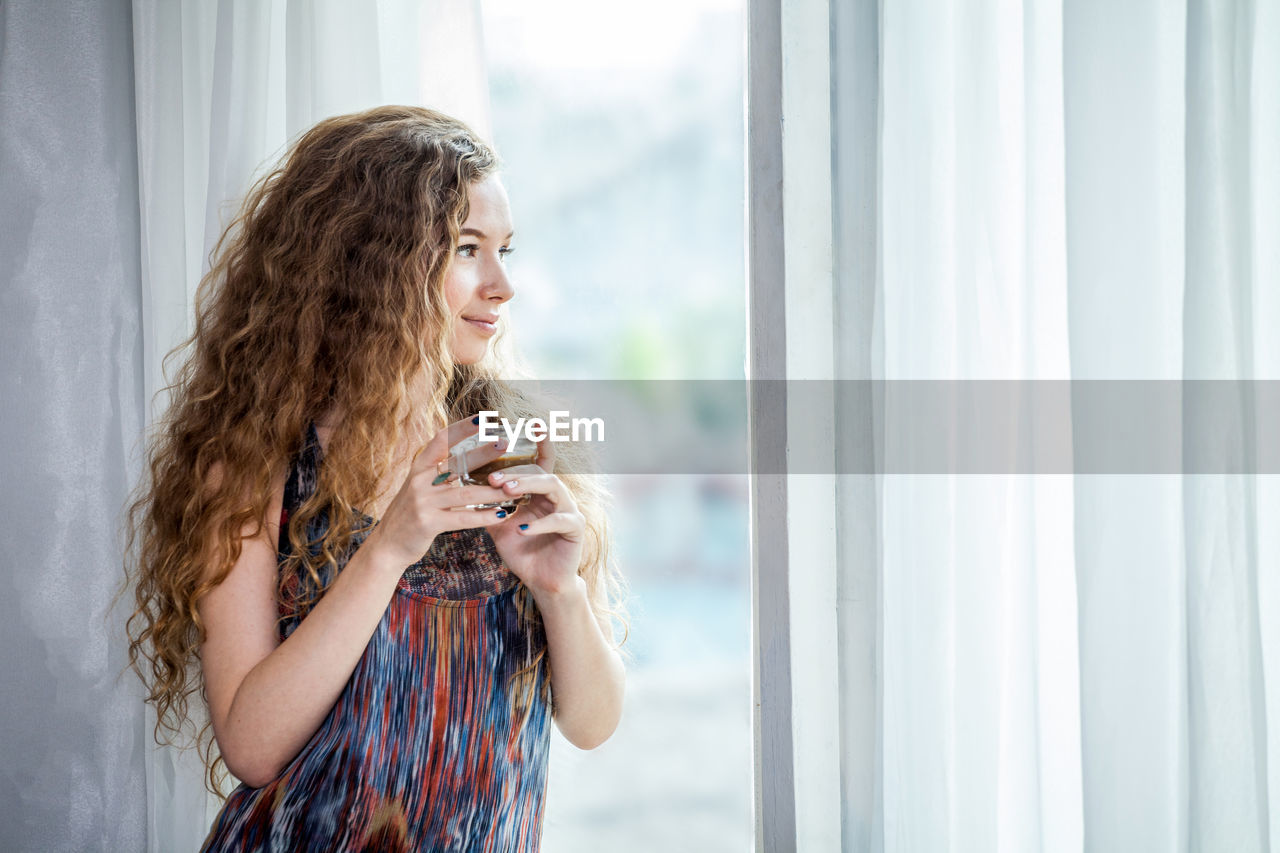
<point>476,284</point>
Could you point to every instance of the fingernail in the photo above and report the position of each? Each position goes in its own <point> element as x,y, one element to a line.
<point>497,476</point>
<point>514,483</point>
<point>475,420</point>
<point>440,478</point>
<point>524,527</point>
<point>502,513</point>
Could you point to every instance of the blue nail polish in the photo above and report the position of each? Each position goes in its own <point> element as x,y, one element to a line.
<point>475,420</point>
<point>502,513</point>
<point>524,527</point>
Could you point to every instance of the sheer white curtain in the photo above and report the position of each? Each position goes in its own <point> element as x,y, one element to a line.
<point>222,88</point>
<point>980,737</point>
<point>71,739</point>
<point>1038,190</point>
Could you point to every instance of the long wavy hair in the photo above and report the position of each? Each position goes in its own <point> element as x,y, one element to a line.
<point>325,290</point>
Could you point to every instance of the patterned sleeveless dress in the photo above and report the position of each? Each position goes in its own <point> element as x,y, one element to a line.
<point>422,750</point>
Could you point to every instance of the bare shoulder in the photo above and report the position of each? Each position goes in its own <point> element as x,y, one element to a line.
<point>264,530</point>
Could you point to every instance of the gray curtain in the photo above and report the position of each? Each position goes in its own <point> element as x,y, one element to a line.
<point>71,730</point>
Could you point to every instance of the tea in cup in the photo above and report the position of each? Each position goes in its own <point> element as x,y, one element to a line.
<point>522,452</point>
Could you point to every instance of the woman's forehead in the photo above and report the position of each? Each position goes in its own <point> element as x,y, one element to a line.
<point>490,211</point>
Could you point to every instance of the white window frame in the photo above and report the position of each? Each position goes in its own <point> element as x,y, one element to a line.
<point>812,77</point>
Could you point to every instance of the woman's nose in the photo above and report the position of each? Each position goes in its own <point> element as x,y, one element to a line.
<point>498,286</point>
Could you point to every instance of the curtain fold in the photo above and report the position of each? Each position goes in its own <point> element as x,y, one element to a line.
<point>1075,191</point>
<point>978,630</point>
<point>1125,200</point>
<point>1226,717</point>
<point>222,88</point>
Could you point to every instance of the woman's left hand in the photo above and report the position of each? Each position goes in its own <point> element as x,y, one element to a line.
<point>542,542</point>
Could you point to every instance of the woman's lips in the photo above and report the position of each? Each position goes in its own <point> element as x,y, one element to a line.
<point>487,327</point>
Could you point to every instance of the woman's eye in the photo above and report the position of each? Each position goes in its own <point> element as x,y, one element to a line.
<point>469,250</point>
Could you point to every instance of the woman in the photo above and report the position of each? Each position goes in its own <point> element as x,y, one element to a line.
<point>380,663</point>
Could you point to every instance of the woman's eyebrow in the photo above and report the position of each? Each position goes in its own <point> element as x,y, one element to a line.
<point>476,232</point>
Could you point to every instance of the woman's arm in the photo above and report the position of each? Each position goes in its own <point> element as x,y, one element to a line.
<point>266,699</point>
<point>587,675</point>
<point>543,546</point>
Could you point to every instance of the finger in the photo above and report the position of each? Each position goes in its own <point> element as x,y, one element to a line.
<point>514,472</point>
<point>453,496</point>
<point>485,453</point>
<point>540,484</point>
<point>437,449</point>
<point>451,469</point>
<point>465,519</point>
<point>570,525</point>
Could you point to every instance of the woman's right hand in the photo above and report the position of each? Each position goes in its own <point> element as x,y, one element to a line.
<point>420,511</point>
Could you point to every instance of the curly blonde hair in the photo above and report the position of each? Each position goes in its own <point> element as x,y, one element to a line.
<point>316,299</point>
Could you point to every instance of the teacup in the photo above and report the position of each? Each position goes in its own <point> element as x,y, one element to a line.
<point>523,452</point>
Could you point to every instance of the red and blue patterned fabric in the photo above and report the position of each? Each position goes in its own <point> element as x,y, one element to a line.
<point>423,751</point>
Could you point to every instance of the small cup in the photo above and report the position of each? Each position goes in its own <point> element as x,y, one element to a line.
<point>522,452</point>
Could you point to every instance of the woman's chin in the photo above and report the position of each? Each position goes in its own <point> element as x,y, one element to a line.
<point>468,355</point>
